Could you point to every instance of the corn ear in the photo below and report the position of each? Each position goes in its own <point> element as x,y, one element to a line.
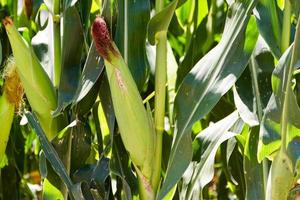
<point>9,102</point>
<point>131,116</point>
<point>7,110</point>
<point>37,85</point>
<point>135,128</point>
<point>281,177</point>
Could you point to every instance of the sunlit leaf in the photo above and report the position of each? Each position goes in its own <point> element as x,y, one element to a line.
<point>209,141</point>
<point>207,82</point>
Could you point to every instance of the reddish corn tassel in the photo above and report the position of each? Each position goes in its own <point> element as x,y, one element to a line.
<point>102,38</point>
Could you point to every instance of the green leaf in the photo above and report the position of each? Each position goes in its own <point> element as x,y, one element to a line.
<point>175,28</point>
<point>72,43</point>
<point>269,19</point>
<point>253,172</point>
<point>237,170</point>
<point>50,152</point>
<point>281,177</point>
<point>97,127</point>
<point>43,165</point>
<point>209,141</point>
<point>130,37</point>
<point>85,10</point>
<point>227,148</point>
<point>295,7</point>
<point>107,105</point>
<point>198,46</point>
<point>185,12</point>
<point>50,192</point>
<point>160,22</point>
<point>207,82</point>
<point>248,117</point>
<point>81,145</point>
<point>251,99</point>
<point>270,131</point>
<point>86,104</point>
<point>120,166</point>
<point>92,70</point>
<point>94,175</point>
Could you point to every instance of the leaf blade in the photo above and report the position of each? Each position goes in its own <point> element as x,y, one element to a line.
<point>207,82</point>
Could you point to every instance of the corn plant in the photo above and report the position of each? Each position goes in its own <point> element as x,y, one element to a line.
<point>149,99</point>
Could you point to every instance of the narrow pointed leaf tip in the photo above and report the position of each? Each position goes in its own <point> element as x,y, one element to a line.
<point>102,38</point>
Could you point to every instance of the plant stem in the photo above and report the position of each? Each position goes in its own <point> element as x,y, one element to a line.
<point>286,27</point>
<point>211,18</point>
<point>15,13</point>
<point>296,48</point>
<point>56,42</point>
<point>253,69</point>
<point>160,96</point>
<point>159,5</point>
<point>126,31</point>
<point>287,89</point>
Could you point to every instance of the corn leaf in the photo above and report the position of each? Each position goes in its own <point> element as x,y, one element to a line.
<point>160,22</point>
<point>207,82</point>
<point>209,141</point>
<point>92,70</point>
<point>50,152</point>
<point>283,119</point>
<point>71,58</point>
<point>250,100</point>
<point>270,132</point>
<point>94,175</point>
<point>198,46</point>
<point>120,166</point>
<point>269,19</point>
<point>254,177</point>
<point>50,191</point>
<point>133,15</point>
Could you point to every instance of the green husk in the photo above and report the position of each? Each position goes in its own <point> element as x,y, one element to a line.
<point>135,127</point>
<point>10,100</point>
<point>37,85</point>
<point>135,124</point>
<point>281,177</point>
<point>7,110</point>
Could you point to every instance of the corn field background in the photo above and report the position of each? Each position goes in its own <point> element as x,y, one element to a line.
<point>150,99</point>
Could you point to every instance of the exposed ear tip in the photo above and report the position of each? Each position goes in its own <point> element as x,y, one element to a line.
<point>101,36</point>
<point>7,21</point>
